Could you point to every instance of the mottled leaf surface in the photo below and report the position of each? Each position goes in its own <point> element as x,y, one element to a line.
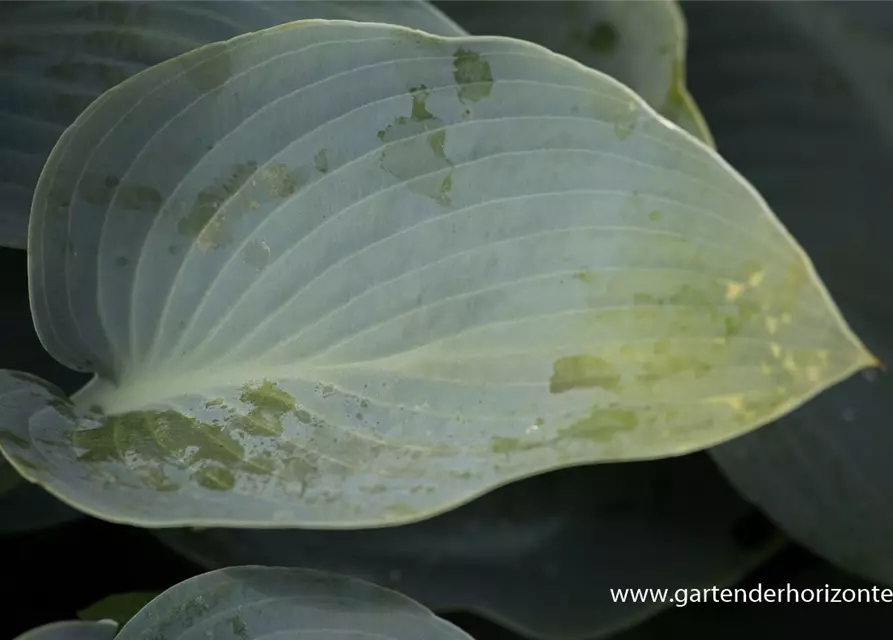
<point>538,556</point>
<point>57,57</point>
<point>342,275</point>
<point>72,630</point>
<point>640,43</point>
<point>247,603</point>
<point>814,79</point>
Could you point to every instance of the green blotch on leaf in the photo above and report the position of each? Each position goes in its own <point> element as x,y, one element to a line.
<point>602,425</point>
<point>240,628</point>
<point>665,365</point>
<point>97,190</point>
<point>580,372</point>
<point>412,154</point>
<point>256,254</point>
<point>121,261</point>
<point>215,478</point>
<point>623,129</point>
<point>655,215</point>
<point>270,405</point>
<point>136,197</point>
<point>321,161</point>
<point>588,276</point>
<point>100,189</point>
<point>281,180</point>
<point>511,445</point>
<point>472,73</point>
<point>400,509</point>
<point>201,224</point>
<point>603,38</point>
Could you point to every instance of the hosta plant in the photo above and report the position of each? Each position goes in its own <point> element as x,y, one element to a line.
<point>377,265</point>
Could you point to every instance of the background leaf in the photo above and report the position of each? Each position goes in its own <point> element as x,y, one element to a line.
<point>274,349</point>
<point>72,630</point>
<point>57,57</point>
<point>814,79</point>
<point>538,556</point>
<point>640,43</point>
<point>258,602</point>
<point>119,607</point>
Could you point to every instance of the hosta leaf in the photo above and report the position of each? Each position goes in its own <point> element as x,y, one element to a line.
<point>25,506</point>
<point>640,43</point>
<point>57,57</point>
<point>72,630</point>
<point>540,555</point>
<point>341,275</point>
<point>244,603</point>
<point>817,78</point>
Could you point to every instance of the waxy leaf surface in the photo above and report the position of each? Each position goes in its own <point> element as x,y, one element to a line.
<point>640,43</point>
<point>342,275</point>
<point>248,603</point>
<point>57,57</point>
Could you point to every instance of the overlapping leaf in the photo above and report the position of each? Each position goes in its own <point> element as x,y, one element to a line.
<point>816,78</point>
<point>244,603</point>
<point>640,43</point>
<point>25,506</point>
<point>341,275</point>
<point>57,57</point>
<point>72,630</point>
<point>541,555</point>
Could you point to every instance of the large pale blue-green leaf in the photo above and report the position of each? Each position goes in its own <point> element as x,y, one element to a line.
<point>72,630</point>
<point>339,275</point>
<point>57,57</point>
<point>640,43</point>
<point>814,78</point>
<point>246,603</point>
<point>538,556</point>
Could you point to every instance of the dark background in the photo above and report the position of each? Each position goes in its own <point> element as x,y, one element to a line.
<point>50,574</point>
